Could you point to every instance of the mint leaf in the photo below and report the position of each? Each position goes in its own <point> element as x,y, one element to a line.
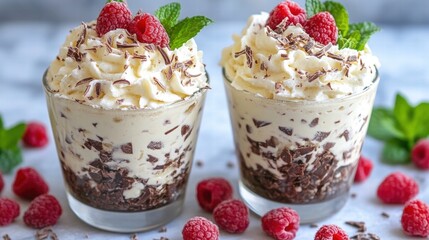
<point>10,158</point>
<point>396,152</point>
<point>1,123</point>
<point>403,114</point>
<point>366,29</point>
<point>312,7</point>
<point>350,42</point>
<point>13,136</point>
<point>419,124</point>
<point>187,29</point>
<point>340,15</point>
<point>168,15</point>
<point>382,125</point>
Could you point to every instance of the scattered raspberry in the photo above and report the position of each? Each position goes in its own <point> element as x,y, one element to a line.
<point>45,210</point>
<point>397,188</point>
<point>287,9</point>
<point>35,135</point>
<point>212,191</point>
<point>114,15</point>
<point>322,28</point>
<point>363,170</point>
<point>29,184</point>
<point>281,223</point>
<point>420,154</point>
<point>1,182</point>
<point>331,232</point>
<point>9,210</point>
<point>199,228</point>
<point>415,218</point>
<point>149,30</point>
<point>232,216</point>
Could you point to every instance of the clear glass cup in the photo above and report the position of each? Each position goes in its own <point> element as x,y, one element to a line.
<point>297,153</point>
<point>125,170</point>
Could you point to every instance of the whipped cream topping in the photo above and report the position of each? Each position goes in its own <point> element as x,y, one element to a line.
<point>116,71</point>
<point>288,64</point>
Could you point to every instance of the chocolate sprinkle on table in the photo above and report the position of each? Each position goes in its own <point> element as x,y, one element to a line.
<point>385,215</point>
<point>134,237</point>
<point>6,237</point>
<point>359,225</point>
<point>45,233</point>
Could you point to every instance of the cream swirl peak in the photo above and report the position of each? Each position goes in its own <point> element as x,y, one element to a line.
<point>289,64</point>
<point>116,71</point>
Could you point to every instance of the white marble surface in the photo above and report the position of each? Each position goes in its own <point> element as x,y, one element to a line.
<point>26,49</point>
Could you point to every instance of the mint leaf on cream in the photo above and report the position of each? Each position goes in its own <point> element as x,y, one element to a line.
<point>181,31</point>
<point>366,29</point>
<point>340,15</point>
<point>312,7</point>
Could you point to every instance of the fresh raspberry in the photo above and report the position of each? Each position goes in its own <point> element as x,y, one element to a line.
<point>199,228</point>
<point>212,191</point>
<point>287,9</point>
<point>29,184</point>
<point>397,188</point>
<point>322,28</point>
<point>232,216</point>
<point>114,15</point>
<point>363,170</point>
<point>149,30</point>
<point>45,210</point>
<point>1,182</point>
<point>9,210</point>
<point>35,135</point>
<point>415,218</point>
<point>281,223</point>
<point>420,154</point>
<point>331,232</point>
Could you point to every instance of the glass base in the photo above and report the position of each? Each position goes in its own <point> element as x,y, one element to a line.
<point>308,213</point>
<point>125,222</point>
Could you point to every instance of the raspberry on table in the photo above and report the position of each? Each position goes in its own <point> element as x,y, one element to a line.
<point>331,232</point>
<point>281,223</point>
<point>363,170</point>
<point>44,211</point>
<point>29,184</point>
<point>35,135</point>
<point>287,9</point>
<point>415,218</point>
<point>149,30</point>
<point>232,216</point>
<point>322,28</point>
<point>420,154</point>
<point>199,228</point>
<point>212,191</point>
<point>397,188</point>
<point>114,15</point>
<point>9,210</point>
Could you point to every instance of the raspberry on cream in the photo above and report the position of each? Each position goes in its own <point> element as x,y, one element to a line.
<point>116,71</point>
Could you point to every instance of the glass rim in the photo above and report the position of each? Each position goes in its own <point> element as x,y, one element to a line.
<point>305,101</point>
<point>201,92</point>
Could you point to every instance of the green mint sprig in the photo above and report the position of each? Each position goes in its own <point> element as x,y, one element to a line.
<point>181,31</point>
<point>399,128</point>
<point>10,152</point>
<point>354,36</point>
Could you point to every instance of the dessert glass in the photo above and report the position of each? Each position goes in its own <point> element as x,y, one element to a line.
<point>125,170</point>
<point>298,153</point>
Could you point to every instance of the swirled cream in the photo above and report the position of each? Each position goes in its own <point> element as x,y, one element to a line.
<point>116,71</point>
<point>290,65</point>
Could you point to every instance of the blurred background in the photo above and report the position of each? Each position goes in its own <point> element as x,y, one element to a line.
<point>398,12</point>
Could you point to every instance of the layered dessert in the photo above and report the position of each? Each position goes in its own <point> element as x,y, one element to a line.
<point>300,102</point>
<point>125,108</point>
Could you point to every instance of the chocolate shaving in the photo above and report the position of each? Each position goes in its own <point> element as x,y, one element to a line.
<point>152,159</point>
<point>316,75</point>
<point>314,122</point>
<point>286,130</point>
<point>385,215</point>
<point>82,36</point>
<point>75,54</point>
<point>187,74</point>
<point>352,58</point>
<point>359,225</point>
<point>237,54</point>
<point>134,237</point>
<point>168,73</point>
<point>285,56</point>
<point>126,45</point>
<point>345,134</point>
<point>141,57</point>
<point>121,81</point>
<point>84,81</point>
<point>127,148</point>
<point>263,67</point>
<point>159,84</point>
<point>169,131</point>
<point>98,89</point>
<point>185,129</point>
<point>155,145</point>
<point>320,136</point>
<point>335,56</point>
<point>164,55</point>
<point>45,233</point>
<point>249,56</point>
<point>150,47</point>
<point>307,47</point>
<point>259,123</point>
